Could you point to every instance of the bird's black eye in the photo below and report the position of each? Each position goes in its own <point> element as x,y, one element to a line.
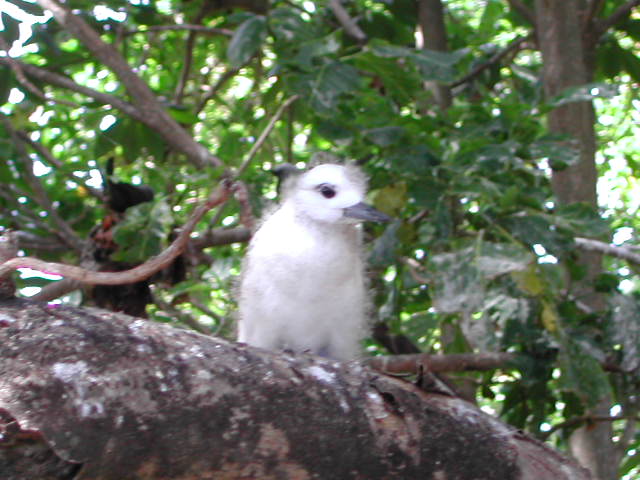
<point>327,191</point>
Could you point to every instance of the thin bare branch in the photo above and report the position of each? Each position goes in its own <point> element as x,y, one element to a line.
<point>136,274</point>
<point>349,24</point>
<point>142,96</point>
<point>514,46</point>
<point>265,133</point>
<point>460,362</point>
<point>625,253</point>
<point>24,81</point>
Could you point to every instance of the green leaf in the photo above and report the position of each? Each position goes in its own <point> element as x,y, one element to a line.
<point>331,81</point>
<point>437,66</point>
<point>11,31</point>
<point>246,40</point>
<point>143,232</point>
<point>580,372</point>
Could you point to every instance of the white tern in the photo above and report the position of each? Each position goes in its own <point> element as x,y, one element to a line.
<point>302,286</point>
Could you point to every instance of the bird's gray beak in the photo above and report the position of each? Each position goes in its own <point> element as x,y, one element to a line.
<point>364,211</point>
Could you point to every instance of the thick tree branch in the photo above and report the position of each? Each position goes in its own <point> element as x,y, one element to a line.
<point>513,47</point>
<point>124,397</point>
<point>349,24</point>
<point>138,273</point>
<point>141,95</point>
<point>625,253</point>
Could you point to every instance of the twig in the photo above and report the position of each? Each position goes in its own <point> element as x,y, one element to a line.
<point>143,98</point>
<point>136,274</point>
<point>617,251</point>
<point>512,47</point>
<point>349,24</point>
<point>265,133</point>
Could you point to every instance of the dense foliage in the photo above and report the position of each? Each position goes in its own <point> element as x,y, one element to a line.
<point>481,258</point>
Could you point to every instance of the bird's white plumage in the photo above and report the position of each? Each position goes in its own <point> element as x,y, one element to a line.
<point>302,286</point>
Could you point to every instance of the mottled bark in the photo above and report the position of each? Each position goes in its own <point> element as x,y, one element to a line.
<point>87,394</point>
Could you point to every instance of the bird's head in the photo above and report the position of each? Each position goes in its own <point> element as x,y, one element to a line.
<point>334,193</point>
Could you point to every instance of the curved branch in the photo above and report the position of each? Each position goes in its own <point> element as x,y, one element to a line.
<point>138,273</point>
<point>143,98</point>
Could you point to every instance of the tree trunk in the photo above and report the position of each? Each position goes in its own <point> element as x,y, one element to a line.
<point>434,35</point>
<point>89,394</point>
<point>560,38</point>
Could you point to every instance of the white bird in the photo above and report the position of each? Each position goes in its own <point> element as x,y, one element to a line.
<point>302,286</point>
